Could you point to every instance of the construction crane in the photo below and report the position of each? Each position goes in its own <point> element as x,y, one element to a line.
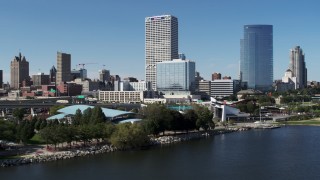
<point>82,64</point>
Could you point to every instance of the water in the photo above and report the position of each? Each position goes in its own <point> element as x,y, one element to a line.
<point>284,153</point>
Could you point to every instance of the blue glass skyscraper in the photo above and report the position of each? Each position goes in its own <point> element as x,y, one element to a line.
<point>256,56</point>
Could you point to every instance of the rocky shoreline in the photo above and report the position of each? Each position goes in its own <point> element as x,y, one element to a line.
<point>194,135</point>
<point>92,150</point>
<point>39,158</point>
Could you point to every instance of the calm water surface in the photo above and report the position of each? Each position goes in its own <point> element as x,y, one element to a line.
<point>285,153</point>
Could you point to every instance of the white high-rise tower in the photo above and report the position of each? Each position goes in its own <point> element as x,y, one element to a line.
<point>161,43</point>
<point>298,67</point>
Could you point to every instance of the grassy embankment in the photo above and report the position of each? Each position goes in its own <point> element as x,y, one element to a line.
<point>36,139</point>
<point>310,122</point>
<point>9,157</point>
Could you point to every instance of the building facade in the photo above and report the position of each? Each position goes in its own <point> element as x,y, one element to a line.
<point>161,43</point>
<point>104,75</point>
<point>203,88</point>
<point>63,67</point>
<point>53,74</point>
<point>87,85</point>
<point>19,71</point>
<point>69,89</point>
<point>121,96</point>
<point>136,86</point>
<point>176,75</point>
<point>216,76</point>
<point>222,88</point>
<point>81,73</point>
<point>40,79</point>
<point>298,67</point>
<point>256,56</point>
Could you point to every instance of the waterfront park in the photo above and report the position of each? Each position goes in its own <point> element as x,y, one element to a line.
<point>92,131</point>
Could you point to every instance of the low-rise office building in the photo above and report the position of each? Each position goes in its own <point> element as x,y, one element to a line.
<point>136,86</point>
<point>222,88</point>
<point>121,96</point>
<point>203,88</point>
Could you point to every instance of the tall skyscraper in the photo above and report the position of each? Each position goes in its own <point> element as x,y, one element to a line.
<point>298,67</point>
<point>1,78</point>
<point>161,43</point>
<point>256,56</point>
<point>63,67</point>
<point>19,71</point>
<point>53,75</point>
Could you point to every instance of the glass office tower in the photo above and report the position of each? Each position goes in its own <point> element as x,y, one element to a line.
<point>176,75</point>
<point>161,43</point>
<point>256,56</point>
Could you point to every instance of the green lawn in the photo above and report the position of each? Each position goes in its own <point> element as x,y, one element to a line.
<point>304,122</point>
<point>36,139</point>
<point>10,157</point>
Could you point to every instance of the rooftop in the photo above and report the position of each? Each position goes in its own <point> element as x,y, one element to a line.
<point>71,110</point>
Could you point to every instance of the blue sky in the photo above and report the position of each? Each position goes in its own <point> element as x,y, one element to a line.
<point>111,33</point>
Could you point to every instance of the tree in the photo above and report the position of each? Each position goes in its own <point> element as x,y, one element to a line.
<point>157,118</point>
<point>51,134</point>
<point>176,122</point>
<point>37,124</point>
<point>97,116</point>
<point>134,110</point>
<point>86,115</point>
<point>19,113</point>
<point>67,134</point>
<point>251,107</point>
<point>108,129</point>
<point>190,118</point>
<point>204,118</point>
<point>45,134</point>
<point>85,133</point>
<point>97,131</point>
<point>34,121</point>
<point>54,109</point>
<point>43,124</point>
<point>77,117</point>
<point>25,131</point>
<point>7,130</point>
<point>128,136</point>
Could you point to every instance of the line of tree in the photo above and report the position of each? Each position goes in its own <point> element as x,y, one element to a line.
<point>61,133</point>
<point>20,131</point>
<point>92,124</point>
<point>159,118</point>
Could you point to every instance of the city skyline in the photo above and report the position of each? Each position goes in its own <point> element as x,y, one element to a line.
<point>112,34</point>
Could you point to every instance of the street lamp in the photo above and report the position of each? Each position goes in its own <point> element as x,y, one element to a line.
<point>260,107</point>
